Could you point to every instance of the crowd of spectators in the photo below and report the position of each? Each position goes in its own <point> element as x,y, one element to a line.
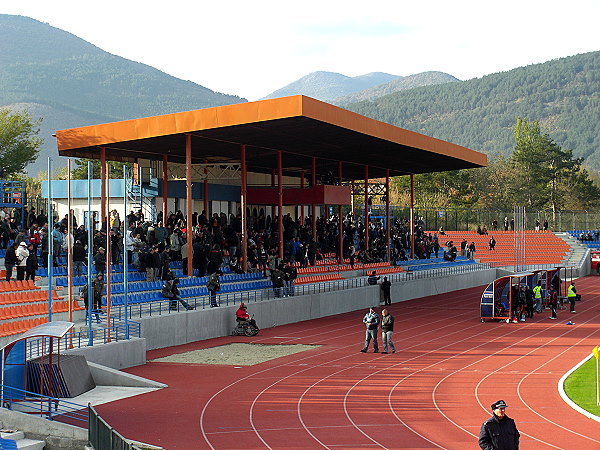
<point>216,243</point>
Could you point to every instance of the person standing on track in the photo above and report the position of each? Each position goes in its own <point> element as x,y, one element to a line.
<point>371,320</point>
<point>553,302</point>
<point>499,432</point>
<point>387,330</point>
<point>537,295</point>
<point>573,296</point>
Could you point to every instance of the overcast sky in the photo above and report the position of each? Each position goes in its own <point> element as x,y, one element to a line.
<point>253,48</point>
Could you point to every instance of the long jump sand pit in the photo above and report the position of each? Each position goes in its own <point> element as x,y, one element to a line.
<point>236,354</point>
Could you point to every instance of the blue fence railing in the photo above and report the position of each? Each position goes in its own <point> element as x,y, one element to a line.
<point>78,339</point>
<point>51,408</point>
<point>162,307</point>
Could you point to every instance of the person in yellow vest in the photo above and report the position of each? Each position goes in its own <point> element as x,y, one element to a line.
<point>537,296</point>
<point>573,296</point>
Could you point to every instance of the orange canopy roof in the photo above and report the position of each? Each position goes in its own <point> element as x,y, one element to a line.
<point>300,126</point>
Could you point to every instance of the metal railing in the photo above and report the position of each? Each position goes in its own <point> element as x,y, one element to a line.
<point>51,408</point>
<point>78,339</point>
<point>453,218</point>
<point>162,307</point>
<point>102,436</point>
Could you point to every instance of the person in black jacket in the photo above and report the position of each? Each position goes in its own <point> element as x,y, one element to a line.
<point>100,261</point>
<point>10,260</point>
<point>386,286</point>
<point>79,257</point>
<point>290,275</point>
<point>499,432</point>
<point>32,264</point>
<point>170,291</point>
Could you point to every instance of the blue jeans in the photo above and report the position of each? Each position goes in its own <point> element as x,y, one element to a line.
<point>173,304</point>
<point>386,338</point>
<point>371,334</point>
<point>289,288</point>
<point>78,268</point>
<point>213,298</point>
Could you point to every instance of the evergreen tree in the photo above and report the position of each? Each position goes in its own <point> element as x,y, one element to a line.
<point>19,141</point>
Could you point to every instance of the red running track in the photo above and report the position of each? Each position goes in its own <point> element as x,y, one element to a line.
<point>433,393</point>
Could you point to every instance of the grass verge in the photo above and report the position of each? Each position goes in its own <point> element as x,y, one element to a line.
<point>580,387</point>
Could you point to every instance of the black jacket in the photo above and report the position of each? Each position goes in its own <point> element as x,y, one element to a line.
<point>79,253</point>
<point>11,256</point>
<point>386,286</point>
<point>387,323</point>
<point>498,434</point>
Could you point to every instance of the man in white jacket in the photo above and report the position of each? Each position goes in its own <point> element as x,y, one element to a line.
<point>22,255</point>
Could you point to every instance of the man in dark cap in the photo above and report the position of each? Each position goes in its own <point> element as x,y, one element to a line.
<point>499,432</point>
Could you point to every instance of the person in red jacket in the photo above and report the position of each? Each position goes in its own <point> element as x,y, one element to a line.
<point>241,315</point>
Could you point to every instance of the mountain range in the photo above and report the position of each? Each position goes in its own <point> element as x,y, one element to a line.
<point>327,86</point>
<point>70,83</point>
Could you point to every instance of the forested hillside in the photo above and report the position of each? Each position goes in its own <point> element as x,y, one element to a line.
<point>562,94</point>
<point>47,70</point>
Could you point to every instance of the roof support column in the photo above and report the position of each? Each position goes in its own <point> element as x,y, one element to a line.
<point>273,185</point>
<point>340,222</point>
<point>188,194</point>
<point>205,189</point>
<point>69,251</point>
<point>102,183</point>
<point>352,199</point>
<point>313,206</point>
<point>280,202</point>
<point>108,248</point>
<point>301,206</point>
<point>165,187</point>
<point>412,215</point>
<point>388,224</point>
<point>243,208</point>
<point>366,212</point>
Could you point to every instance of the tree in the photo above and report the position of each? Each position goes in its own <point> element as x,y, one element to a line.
<point>80,171</point>
<point>19,143</point>
<point>548,176</point>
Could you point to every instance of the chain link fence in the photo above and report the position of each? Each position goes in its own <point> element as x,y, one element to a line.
<point>460,219</point>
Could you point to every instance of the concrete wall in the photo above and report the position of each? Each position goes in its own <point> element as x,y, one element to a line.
<point>57,435</point>
<point>116,354</point>
<point>189,326</point>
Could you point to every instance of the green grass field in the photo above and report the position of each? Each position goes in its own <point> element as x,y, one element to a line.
<point>580,386</point>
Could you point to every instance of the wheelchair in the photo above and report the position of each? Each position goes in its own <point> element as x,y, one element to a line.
<point>245,328</point>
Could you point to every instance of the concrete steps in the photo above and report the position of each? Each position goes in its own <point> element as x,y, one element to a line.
<point>22,441</point>
<point>577,251</point>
